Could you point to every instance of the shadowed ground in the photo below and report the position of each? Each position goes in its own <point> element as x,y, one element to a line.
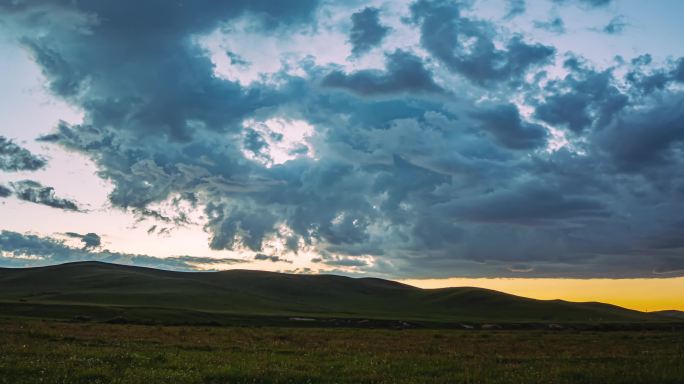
<point>52,352</point>
<point>109,292</point>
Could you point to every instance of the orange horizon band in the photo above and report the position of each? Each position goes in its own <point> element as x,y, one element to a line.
<point>640,294</point>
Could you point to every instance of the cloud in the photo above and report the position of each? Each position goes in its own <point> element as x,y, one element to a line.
<point>4,191</point>
<point>515,8</point>
<point>234,226</point>
<point>344,262</point>
<point>646,137</point>
<point>504,123</point>
<point>28,250</point>
<point>34,192</point>
<point>585,3</point>
<point>645,81</point>
<point>471,154</point>
<point>527,204</point>
<point>68,58</point>
<point>616,26</point>
<point>405,73</point>
<point>366,32</point>
<point>271,258</point>
<point>89,240</point>
<point>14,158</point>
<point>237,60</point>
<point>521,268</point>
<point>678,73</point>
<point>597,3</point>
<point>554,25</point>
<point>585,98</point>
<point>443,33</point>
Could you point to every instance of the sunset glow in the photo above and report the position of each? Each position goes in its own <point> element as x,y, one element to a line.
<point>639,294</point>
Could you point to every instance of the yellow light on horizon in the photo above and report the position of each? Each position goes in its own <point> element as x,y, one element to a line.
<point>640,294</point>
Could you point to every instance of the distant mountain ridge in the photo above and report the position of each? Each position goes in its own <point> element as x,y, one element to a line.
<point>674,314</point>
<point>101,291</point>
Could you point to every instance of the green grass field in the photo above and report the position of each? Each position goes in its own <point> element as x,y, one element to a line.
<point>85,323</point>
<point>33,351</point>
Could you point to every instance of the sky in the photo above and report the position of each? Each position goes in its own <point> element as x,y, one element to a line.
<point>535,147</point>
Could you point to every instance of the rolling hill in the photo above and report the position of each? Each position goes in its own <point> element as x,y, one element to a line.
<point>673,314</point>
<point>102,291</point>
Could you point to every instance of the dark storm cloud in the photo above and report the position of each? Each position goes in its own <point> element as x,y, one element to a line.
<point>68,81</point>
<point>678,73</point>
<point>407,176</point>
<point>555,25</point>
<point>528,204</point>
<point>646,137</point>
<point>515,8</point>
<point>583,99</point>
<point>647,83</point>
<point>366,32</point>
<point>646,80</point>
<point>233,226</point>
<point>14,158</point>
<point>24,250</point>
<point>154,124</point>
<point>504,123</point>
<point>404,73</point>
<point>672,267</point>
<point>4,191</point>
<point>89,240</point>
<point>443,31</point>
<point>34,192</point>
<point>125,40</point>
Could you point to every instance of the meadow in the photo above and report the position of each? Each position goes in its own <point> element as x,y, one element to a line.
<point>40,351</point>
<point>103,292</point>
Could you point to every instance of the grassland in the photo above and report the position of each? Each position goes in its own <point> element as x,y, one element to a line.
<point>85,323</point>
<point>106,291</point>
<point>33,351</point>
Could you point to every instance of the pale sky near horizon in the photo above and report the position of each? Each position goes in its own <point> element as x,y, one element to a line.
<point>409,140</point>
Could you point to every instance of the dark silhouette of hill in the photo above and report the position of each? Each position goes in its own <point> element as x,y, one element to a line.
<point>103,291</point>
<point>673,314</point>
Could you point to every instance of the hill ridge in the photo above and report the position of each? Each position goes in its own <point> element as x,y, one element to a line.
<point>117,287</point>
